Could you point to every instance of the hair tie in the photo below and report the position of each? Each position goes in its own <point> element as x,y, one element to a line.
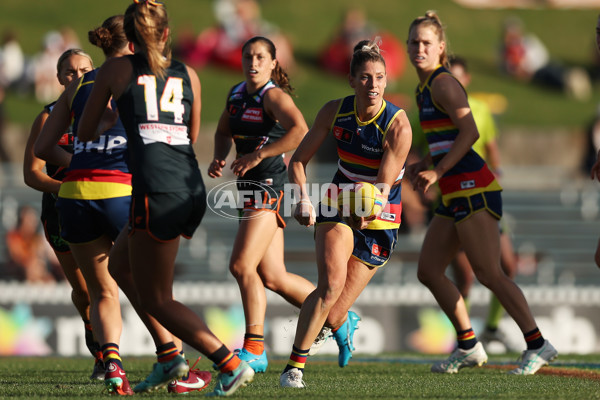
<point>375,44</point>
<point>151,2</point>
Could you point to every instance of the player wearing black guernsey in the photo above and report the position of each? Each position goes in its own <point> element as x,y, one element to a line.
<point>168,197</point>
<point>262,120</point>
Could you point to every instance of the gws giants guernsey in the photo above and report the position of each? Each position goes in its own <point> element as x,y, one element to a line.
<point>252,128</point>
<point>156,114</point>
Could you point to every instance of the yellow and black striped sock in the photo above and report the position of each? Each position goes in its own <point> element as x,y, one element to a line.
<point>297,359</point>
<point>466,339</point>
<point>110,353</point>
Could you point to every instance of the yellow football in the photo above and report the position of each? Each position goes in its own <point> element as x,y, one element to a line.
<point>361,199</point>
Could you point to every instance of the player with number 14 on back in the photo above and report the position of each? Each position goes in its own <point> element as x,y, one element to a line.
<point>159,103</point>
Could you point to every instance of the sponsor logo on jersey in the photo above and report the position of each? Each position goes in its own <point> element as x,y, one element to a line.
<point>470,184</point>
<point>253,115</point>
<point>164,133</point>
<point>377,250</point>
<point>387,216</point>
<point>342,134</point>
<point>65,140</point>
<point>372,149</point>
<point>233,110</point>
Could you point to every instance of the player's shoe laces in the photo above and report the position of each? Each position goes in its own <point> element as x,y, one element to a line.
<point>292,378</point>
<point>258,363</point>
<point>99,371</point>
<point>344,337</point>
<point>196,381</point>
<point>460,358</point>
<point>320,340</point>
<point>115,380</point>
<point>532,360</point>
<point>229,382</point>
<point>162,374</point>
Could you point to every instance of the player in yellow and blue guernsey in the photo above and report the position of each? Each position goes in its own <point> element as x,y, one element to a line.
<point>373,139</point>
<point>487,147</point>
<point>471,205</point>
<point>71,65</point>
<point>93,200</point>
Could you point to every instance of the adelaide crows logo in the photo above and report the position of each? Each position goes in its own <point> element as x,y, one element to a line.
<point>342,134</point>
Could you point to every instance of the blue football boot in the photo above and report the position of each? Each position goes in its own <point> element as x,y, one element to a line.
<point>258,363</point>
<point>344,338</point>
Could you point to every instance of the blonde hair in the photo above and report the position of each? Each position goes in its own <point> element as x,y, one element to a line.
<point>144,25</point>
<point>431,19</point>
<point>366,50</point>
<point>72,52</point>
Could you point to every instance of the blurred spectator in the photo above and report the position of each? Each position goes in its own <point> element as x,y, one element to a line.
<point>69,37</point>
<point>12,65</point>
<point>524,56</point>
<point>238,21</point>
<point>46,86</point>
<point>336,55</point>
<point>29,255</point>
<point>12,60</point>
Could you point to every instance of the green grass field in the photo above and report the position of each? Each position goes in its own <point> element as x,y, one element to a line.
<point>473,33</point>
<point>398,376</point>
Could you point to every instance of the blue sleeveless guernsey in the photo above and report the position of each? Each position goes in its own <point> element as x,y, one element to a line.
<point>471,174</point>
<point>360,150</point>
<point>98,168</point>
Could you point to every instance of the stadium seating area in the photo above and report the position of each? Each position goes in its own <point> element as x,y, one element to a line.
<point>554,230</point>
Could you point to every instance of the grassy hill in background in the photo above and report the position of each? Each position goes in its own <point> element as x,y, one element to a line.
<point>475,34</point>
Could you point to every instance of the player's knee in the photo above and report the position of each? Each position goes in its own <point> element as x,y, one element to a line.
<point>490,278</point>
<point>150,304</point>
<point>271,283</point>
<point>330,293</point>
<point>80,299</point>
<point>425,276</point>
<point>236,269</point>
